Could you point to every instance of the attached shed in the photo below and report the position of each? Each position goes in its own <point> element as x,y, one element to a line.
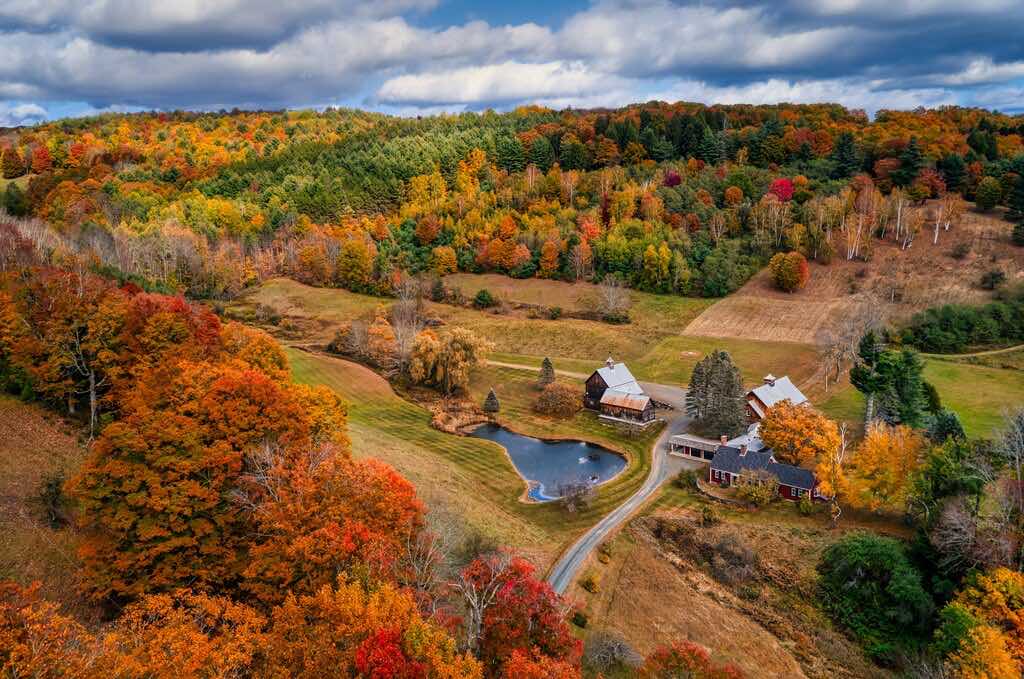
<point>623,405</point>
<point>694,447</point>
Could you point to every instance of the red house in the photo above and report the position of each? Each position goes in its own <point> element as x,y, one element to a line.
<point>730,463</point>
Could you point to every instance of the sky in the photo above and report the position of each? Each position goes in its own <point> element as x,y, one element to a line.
<point>63,58</point>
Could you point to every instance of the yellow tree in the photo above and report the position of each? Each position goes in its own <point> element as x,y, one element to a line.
<point>427,192</point>
<point>798,435</point>
<point>883,466</point>
<point>831,474</point>
<point>996,599</point>
<point>549,258</point>
<point>983,655</point>
<point>443,260</point>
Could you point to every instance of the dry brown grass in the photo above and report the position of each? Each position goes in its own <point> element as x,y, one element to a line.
<point>36,445</point>
<point>764,621</point>
<point>646,599</point>
<point>922,276</point>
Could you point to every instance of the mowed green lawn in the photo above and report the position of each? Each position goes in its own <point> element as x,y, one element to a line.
<point>980,395</point>
<point>473,475</point>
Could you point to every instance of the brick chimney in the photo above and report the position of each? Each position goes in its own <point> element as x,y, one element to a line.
<point>724,439</point>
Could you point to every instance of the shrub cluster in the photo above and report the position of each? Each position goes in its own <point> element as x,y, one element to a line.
<point>952,328</point>
<point>559,400</point>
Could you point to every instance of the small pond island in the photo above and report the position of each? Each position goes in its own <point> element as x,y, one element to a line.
<point>548,465</point>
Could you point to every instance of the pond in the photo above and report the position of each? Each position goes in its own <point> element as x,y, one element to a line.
<point>547,465</point>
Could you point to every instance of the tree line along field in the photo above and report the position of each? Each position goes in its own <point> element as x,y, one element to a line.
<point>898,282</point>
<point>656,344</point>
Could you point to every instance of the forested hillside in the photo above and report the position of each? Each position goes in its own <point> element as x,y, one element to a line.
<point>679,198</point>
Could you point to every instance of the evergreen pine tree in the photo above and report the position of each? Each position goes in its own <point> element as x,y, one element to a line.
<point>933,403</point>
<point>511,156</point>
<point>574,156</point>
<point>910,164</point>
<point>727,408</point>
<point>547,373</point>
<point>491,404</point>
<point>898,386</point>
<point>945,425</point>
<point>716,397</point>
<point>844,157</point>
<point>696,395</point>
<point>1015,201</point>
<point>542,154</point>
<point>14,201</point>
<point>954,171</point>
<point>709,150</point>
<point>663,150</point>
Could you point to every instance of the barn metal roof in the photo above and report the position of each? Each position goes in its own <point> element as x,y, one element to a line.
<point>693,441</point>
<point>617,376</point>
<point>622,399</point>
<point>752,439</point>
<point>778,389</point>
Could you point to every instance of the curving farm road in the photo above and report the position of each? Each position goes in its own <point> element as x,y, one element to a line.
<point>568,565</point>
<point>565,570</point>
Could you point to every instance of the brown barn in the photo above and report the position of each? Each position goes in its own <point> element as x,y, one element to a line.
<point>615,393</point>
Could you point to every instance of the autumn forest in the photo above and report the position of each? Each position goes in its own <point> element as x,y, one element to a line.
<point>223,526</point>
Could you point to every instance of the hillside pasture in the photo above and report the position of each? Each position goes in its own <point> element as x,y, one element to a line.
<point>892,283</point>
<point>651,343</point>
<point>980,395</point>
<point>37,447</point>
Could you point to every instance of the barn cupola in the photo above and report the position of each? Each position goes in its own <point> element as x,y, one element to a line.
<point>609,363</point>
<point>769,379</point>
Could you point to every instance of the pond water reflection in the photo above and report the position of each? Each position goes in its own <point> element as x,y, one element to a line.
<point>547,465</point>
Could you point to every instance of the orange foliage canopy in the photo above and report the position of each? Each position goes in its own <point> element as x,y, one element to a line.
<point>685,659</point>
<point>798,435</point>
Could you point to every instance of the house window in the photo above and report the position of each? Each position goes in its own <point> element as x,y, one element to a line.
<point>796,492</point>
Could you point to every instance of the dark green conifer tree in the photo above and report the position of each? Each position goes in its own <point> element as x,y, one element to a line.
<point>547,373</point>
<point>491,404</point>
<point>844,157</point>
<point>911,161</point>
<point>542,154</point>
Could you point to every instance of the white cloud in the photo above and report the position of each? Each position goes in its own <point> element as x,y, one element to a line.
<point>327,62</point>
<point>193,25</point>
<point>661,37</point>
<point>851,93</point>
<point>271,53</point>
<point>983,71</point>
<point>505,82</point>
<point>14,115</point>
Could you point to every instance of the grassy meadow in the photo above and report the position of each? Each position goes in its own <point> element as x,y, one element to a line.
<point>472,476</point>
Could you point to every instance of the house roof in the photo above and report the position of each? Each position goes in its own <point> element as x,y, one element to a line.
<point>617,376</point>
<point>694,442</point>
<point>775,390</point>
<point>729,459</point>
<point>624,399</point>
<point>752,439</point>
